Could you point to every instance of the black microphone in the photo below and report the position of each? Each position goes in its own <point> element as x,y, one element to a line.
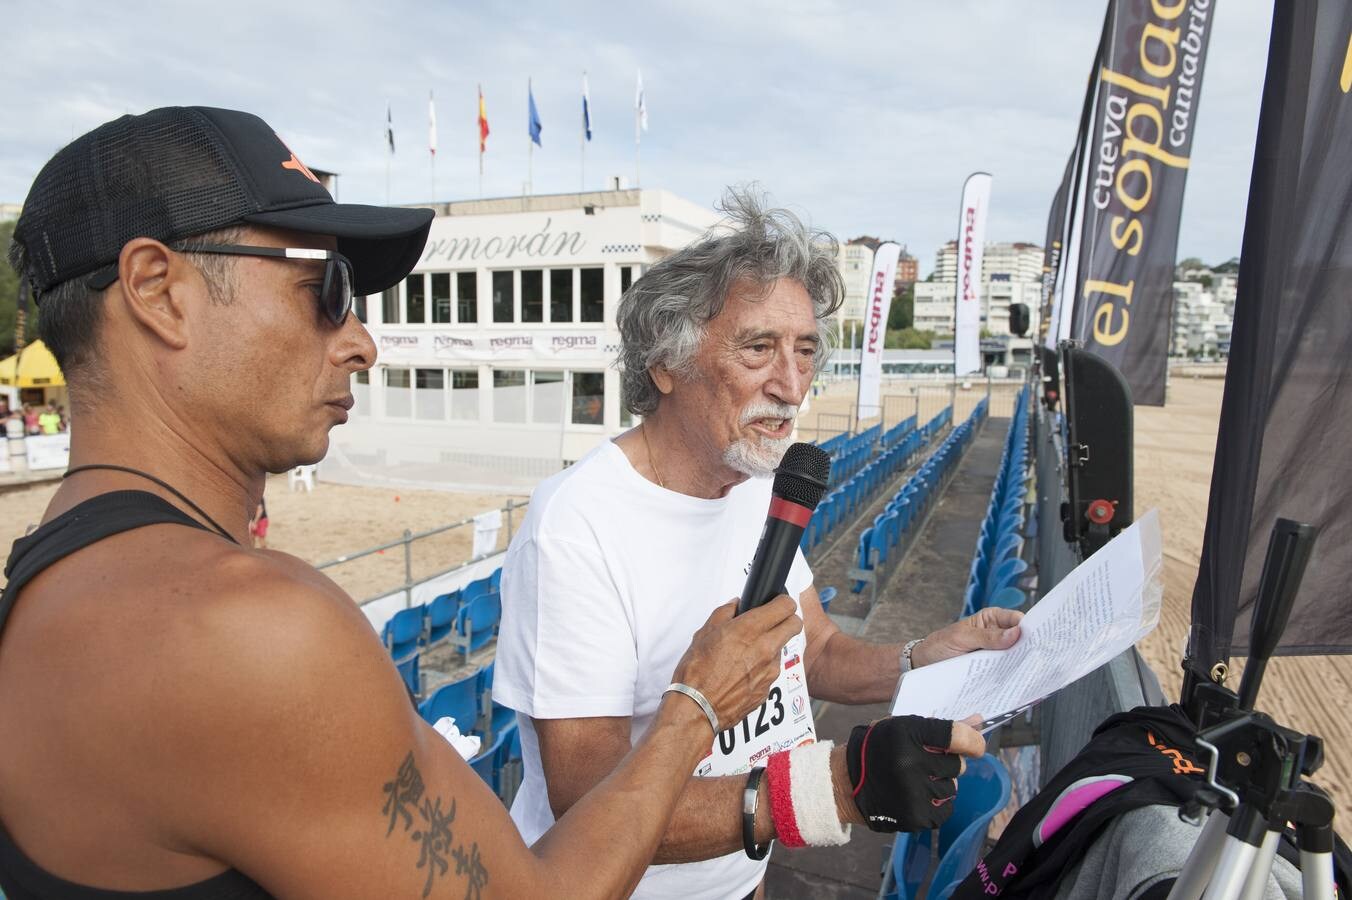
<point>800,482</point>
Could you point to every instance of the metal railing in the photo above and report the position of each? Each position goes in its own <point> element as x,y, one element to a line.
<point>406,545</point>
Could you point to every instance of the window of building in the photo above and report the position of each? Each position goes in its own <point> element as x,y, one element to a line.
<point>547,398</point>
<point>509,395</point>
<point>592,294</point>
<point>560,295</point>
<point>429,393</point>
<point>415,299</point>
<point>389,306</point>
<point>441,297</point>
<point>398,394</point>
<point>502,297</point>
<point>465,394</point>
<point>589,398</point>
<point>532,295</point>
<point>467,300</point>
<point>627,274</point>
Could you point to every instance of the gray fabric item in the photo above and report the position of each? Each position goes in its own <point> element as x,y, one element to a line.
<point>1146,846</point>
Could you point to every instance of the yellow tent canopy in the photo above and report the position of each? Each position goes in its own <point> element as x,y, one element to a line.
<point>34,366</point>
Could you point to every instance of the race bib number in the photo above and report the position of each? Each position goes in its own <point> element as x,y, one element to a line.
<point>783,721</point>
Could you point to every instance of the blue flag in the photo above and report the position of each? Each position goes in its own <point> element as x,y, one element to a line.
<point>535,126</point>
<point>586,108</point>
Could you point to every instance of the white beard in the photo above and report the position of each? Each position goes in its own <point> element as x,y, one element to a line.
<point>757,458</point>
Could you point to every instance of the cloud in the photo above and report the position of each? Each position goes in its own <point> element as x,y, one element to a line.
<point>866,119</point>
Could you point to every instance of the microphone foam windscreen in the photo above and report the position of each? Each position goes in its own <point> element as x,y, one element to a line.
<point>803,475</point>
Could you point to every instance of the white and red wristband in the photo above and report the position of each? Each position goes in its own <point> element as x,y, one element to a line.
<point>802,798</point>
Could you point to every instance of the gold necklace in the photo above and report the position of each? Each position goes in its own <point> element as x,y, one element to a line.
<point>649,447</point>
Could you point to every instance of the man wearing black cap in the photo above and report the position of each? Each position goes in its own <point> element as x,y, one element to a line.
<point>187,716</point>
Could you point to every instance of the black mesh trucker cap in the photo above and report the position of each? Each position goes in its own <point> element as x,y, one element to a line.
<point>179,171</point>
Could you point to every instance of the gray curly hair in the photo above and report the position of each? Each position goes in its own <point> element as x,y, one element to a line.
<point>663,314</point>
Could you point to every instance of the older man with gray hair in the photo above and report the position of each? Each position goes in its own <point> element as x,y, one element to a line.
<point>623,556</point>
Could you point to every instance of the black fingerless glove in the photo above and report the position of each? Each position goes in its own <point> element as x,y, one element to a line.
<point>899,785</point>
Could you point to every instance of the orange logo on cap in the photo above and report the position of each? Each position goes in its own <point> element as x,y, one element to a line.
<point>294,163</point>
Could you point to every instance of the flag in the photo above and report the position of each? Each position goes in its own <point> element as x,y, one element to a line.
<point>641,104</point>
<point>976,201</point>
<point>1149,81</point>
<point>880,290</point>
<point>483,121</point>
<point>431,124</point>
<point>535,126</point>
<point>1286,417</point>
<point>586,108</point>
<point>389,128</point>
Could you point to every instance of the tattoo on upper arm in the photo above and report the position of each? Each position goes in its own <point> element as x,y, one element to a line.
<point>405,800</point>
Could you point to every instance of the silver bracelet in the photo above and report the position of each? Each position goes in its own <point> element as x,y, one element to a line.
<point>906,652</point>
<point>699,698</point>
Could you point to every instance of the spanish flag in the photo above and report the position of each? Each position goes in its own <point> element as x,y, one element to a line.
<point>483,121</point>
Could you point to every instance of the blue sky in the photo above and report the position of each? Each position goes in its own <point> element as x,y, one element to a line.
<point>864,120</point>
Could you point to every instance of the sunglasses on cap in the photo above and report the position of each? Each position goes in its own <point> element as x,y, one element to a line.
<point>335,295</point>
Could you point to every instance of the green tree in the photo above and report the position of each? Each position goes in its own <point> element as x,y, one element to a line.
<point>902,313</point>
<point>909,339</point>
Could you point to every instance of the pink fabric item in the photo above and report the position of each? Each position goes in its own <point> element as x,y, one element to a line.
<point>1075,799</point>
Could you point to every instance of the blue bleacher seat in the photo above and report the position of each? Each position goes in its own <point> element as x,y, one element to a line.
<point>441,617</point>
<point>402,637</point>
<point>477,621</point>
<point>1004,575</point>
<point>983,790</point>
<point>458,699</point>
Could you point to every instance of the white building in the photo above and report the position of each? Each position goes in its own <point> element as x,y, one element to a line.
<point>495,363</point>
<point>855,262</point>
<point>1010,273</point>
<point>1203,317</point>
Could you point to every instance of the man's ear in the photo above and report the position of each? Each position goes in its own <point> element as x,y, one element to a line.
<point>155,283</point>
<point>662,378</point>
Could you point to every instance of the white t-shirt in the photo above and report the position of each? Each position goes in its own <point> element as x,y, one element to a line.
<point>602,590</point>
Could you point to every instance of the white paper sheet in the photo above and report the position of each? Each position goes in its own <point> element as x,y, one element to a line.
<point>1105,605</point>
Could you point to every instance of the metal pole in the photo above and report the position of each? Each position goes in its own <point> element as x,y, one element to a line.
<point>408,559</point>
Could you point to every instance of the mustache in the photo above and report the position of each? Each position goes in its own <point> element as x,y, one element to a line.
<point>766,410</point>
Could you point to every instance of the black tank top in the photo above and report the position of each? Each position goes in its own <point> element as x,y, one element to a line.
<point>92,521</point>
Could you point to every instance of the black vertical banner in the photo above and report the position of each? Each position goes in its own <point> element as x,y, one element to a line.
<point>1150,80</point>
<point>1051,254</point>
<point>1285,442</point>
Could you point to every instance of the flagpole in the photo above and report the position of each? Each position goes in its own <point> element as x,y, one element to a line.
<point>480,130</point>
<point>530,144</point>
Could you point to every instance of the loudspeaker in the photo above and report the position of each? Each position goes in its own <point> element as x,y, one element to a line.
<point>1018,319</point>
<point>1051,376</point>
<point>1098,449</point>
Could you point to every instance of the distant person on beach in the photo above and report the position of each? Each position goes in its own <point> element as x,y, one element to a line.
<point>49,422</point>
<point>623,554</point>
<point>186,717</point>
<point>258,525</point>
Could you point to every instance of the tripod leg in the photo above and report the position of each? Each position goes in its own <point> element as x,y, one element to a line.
<point>1244,836</point>
<point>1256,889</point>
<point>1201,862</point>
<point>1316,875</point>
